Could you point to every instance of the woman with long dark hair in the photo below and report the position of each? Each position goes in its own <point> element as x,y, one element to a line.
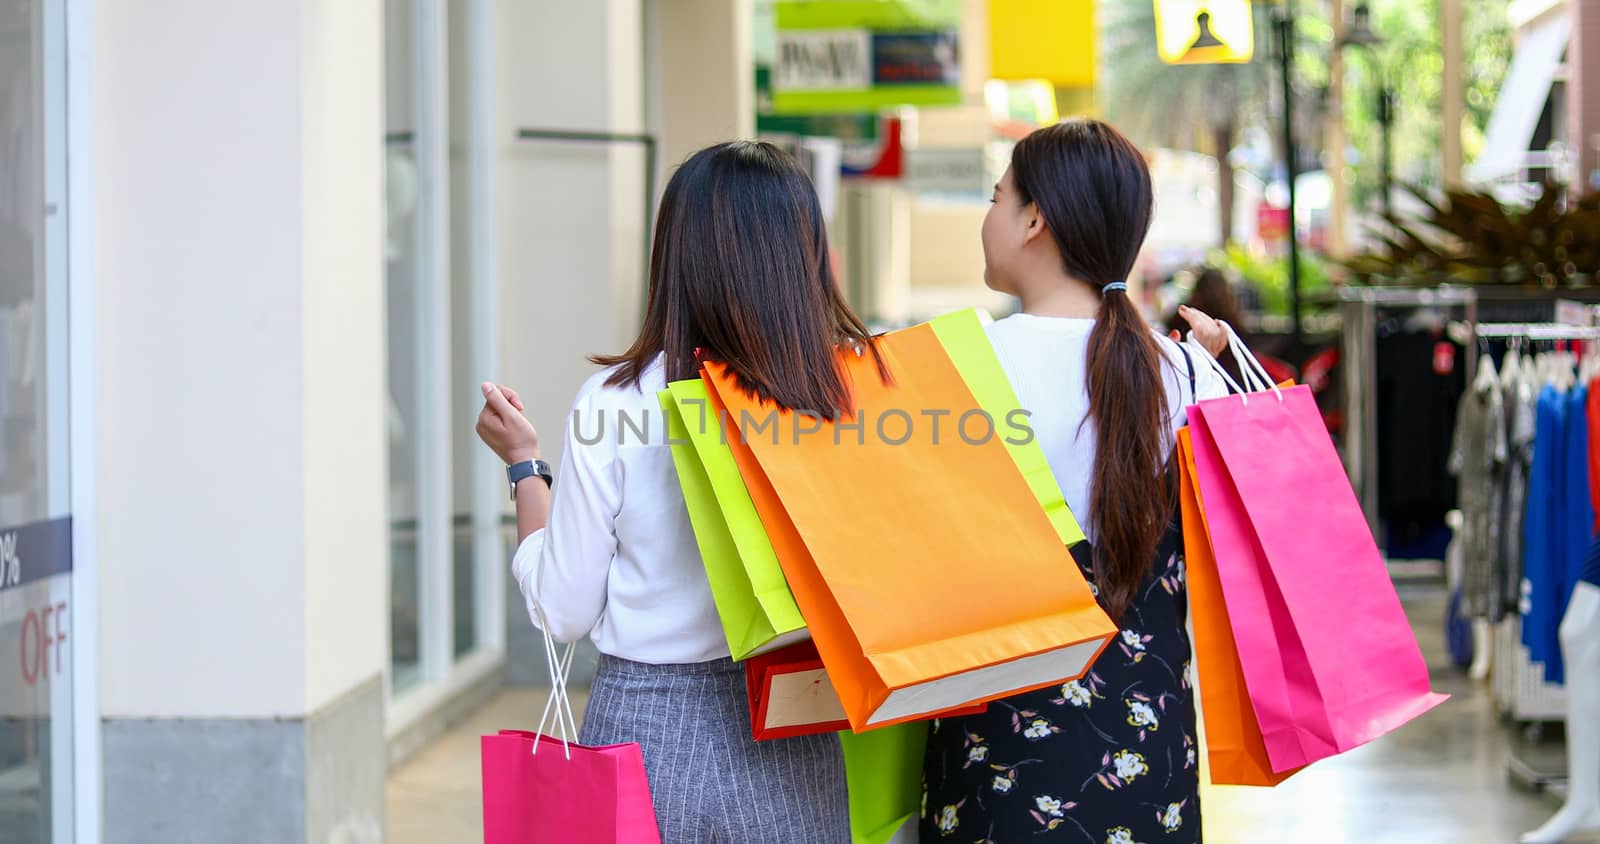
<point>739,273</point>
<point>1112,757</point>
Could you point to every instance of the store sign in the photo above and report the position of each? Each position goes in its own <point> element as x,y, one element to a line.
<point>1272,223</point>
<point>34,552</point>
<point>847,56</point>
<point>1569,312</point>
<point>34,625</point>
<point>1205,31</point>
<point>954,170</point>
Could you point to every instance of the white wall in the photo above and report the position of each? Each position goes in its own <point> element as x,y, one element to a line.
<point>707,74</point>
<point>568,244</point>
<point>343,357</point>
<point>236,226</point>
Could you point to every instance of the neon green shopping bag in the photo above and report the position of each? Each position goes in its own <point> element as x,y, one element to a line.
<point>884,770</point>
<point>758,612</point>
<point>965,340</point>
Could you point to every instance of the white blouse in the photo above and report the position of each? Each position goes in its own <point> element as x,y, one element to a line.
<point>1046,359</point>
<point>618,560</point>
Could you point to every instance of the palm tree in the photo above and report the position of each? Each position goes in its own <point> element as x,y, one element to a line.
<point>1163,105</point>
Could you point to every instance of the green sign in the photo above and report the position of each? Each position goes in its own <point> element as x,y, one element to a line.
<point>843,56</point>
<point>852,128</point>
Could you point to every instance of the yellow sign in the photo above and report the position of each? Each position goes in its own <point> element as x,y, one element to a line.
<point>1053,40</point>
<point>1205,31</point>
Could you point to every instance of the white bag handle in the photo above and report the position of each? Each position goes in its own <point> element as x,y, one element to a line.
<point>559,704</point>
<point>1256,378</point>
<point>1249,363</point>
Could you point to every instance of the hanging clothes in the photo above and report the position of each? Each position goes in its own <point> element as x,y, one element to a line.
<point>1560,516</point>
<point>1543,564</point>
<point>1421,378</point>
<point>1520,397</point>
<point>1478,460</point>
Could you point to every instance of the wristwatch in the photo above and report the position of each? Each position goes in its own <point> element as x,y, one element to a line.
<point>526,469</point>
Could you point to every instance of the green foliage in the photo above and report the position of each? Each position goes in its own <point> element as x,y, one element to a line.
<point>1412,62</point>
<point>1168,105</point>
<point>1270,276</point>
<point>1164,105</point>
<point>1470,236</point>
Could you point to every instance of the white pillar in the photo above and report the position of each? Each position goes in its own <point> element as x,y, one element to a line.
<point>706,74</point>
<point>569,221</point>
<point>1452,92</point>
<point>239,458</point>
<point>1583,90</point>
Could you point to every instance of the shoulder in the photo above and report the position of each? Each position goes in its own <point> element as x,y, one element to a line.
<point>1180,359</point>
<point>1189,362</point>
<point>598,392</point>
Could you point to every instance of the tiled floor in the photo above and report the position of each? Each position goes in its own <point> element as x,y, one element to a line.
<point>1441,779</point>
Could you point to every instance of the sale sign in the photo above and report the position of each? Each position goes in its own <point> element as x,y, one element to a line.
<point>847,56</point>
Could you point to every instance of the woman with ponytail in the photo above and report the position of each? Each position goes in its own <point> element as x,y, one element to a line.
<point>1112,757</point>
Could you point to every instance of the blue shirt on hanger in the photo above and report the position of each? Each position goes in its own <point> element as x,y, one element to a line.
<point>1543,565</point>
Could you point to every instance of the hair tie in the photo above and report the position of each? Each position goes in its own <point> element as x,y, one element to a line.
<point>1114,287</point>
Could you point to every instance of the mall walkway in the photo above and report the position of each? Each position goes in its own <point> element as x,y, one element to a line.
<point>1441,779</point>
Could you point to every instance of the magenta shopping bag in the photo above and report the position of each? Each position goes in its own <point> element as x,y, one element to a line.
<point>564,792</point>
<point>1330,661</point>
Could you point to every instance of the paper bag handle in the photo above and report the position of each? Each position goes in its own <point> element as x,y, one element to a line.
<point>559,704</point>
<point>1256,378</point>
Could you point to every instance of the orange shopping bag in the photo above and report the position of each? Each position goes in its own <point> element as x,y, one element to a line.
<point>927,571</point>
<point>1235,751</point>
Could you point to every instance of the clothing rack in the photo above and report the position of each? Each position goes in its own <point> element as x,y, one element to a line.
<point>1520,690</point>
<point>1359,308</point>
<point>1536,331</point>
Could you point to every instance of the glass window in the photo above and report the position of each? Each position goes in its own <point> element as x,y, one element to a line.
<point>35,533</point>
<point>401,188</point>
<point>438,612</point>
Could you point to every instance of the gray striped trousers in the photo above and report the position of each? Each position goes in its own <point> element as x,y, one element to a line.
<point>711,782</point>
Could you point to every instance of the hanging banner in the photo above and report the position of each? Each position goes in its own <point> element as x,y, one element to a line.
<point>1205,31</point>
<point>844,56</point>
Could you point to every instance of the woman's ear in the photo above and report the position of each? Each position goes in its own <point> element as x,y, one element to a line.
<point>1035,223</point>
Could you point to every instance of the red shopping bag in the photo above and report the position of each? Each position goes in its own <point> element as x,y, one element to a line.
<point>539,789</point>
<point>1329,659</point>
<point>791,695</point>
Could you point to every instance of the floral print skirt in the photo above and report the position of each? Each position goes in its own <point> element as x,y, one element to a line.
<point>1110,758</point>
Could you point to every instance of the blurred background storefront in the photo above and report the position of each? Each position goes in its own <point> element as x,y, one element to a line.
<point>255,259</point>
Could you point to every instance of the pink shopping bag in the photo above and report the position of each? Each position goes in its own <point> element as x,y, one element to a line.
<point>1330,661</point>
<point>564,792</point>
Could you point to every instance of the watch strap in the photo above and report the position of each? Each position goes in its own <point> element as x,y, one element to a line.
<point>517,472</point>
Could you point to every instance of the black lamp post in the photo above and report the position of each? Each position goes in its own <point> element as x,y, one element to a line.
<point>1284,23</point>
<point>1359,34</point>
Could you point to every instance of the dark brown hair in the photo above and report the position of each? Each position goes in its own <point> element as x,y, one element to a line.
<point>1092,187</point>
<point>739,273</point>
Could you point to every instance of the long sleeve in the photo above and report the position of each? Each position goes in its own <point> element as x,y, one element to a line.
<point>1208,384</point>
<point>564,567</point>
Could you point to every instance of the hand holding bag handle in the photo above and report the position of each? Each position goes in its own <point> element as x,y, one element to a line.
<point>1256,378</point>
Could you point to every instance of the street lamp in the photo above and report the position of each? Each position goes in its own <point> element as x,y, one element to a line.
<point>1359,34</point>
<point>1284,23</point>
